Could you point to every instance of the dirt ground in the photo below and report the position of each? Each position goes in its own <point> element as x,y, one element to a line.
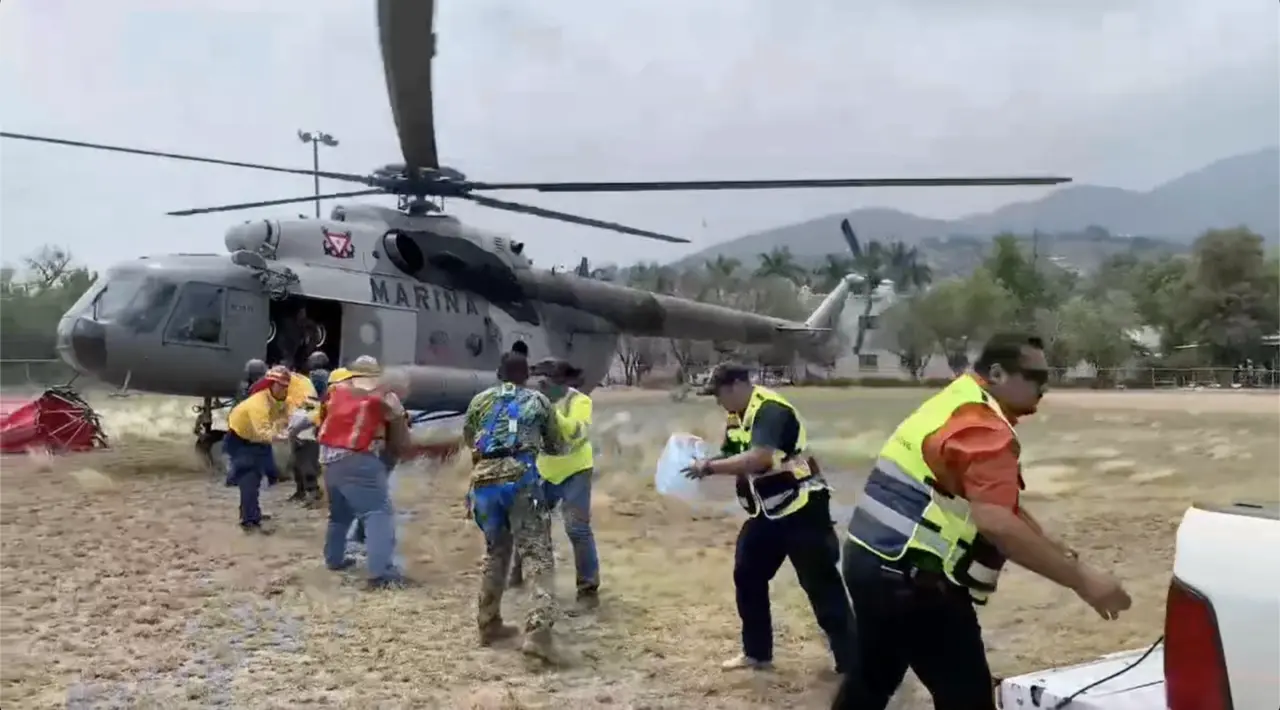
<point>126,582</point>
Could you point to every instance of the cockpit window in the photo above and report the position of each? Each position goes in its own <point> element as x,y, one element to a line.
<point>114,298</point>
<point>198,315</point>
<point>149,305</point>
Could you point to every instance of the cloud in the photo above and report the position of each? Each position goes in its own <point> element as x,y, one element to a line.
<point>1127,93</point>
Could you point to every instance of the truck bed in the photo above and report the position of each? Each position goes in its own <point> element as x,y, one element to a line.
<point>1139,688</point>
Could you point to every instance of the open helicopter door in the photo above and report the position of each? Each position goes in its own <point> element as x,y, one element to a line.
<point>387,333</point>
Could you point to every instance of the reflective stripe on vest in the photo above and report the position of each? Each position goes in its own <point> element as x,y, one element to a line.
<point>901,509</point>
<point>785,488</point>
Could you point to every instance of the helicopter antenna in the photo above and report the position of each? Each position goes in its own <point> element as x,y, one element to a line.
<point>406,33</point>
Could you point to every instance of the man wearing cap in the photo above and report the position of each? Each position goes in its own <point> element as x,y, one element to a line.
<point>506,427</point>
<point>567,477</point>
<point>789,509</point>
<point>252,427</point>
<point>361,414</point>
<point>254,371</point>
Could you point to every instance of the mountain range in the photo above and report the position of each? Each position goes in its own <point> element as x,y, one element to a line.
<point>1079,224</point>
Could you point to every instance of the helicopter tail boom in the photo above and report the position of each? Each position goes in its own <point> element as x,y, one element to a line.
<point>642,313</point>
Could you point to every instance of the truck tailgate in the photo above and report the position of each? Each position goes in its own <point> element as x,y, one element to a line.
<point>1139,688</point>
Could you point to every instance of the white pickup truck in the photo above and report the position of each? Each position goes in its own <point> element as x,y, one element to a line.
<point>1221,643</point>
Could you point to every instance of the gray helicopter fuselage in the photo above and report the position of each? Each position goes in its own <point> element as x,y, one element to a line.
<point>186,324</point>
<point>423,291</point>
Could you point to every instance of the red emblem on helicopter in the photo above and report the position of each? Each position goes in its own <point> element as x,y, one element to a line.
<point>338,244</point>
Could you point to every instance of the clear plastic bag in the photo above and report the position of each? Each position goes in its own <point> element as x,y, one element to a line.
<point>669,479</point>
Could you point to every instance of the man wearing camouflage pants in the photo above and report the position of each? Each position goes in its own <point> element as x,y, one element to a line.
<point>507,426</point>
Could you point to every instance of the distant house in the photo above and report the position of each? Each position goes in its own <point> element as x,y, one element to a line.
<point>879,356</point>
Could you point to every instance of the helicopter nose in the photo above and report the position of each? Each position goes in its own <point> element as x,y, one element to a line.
<point>82,343</point>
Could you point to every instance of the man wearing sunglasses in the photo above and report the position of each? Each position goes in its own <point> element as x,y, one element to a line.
<point>938,517</point>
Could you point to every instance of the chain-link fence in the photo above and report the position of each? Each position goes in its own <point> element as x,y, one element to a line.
<point>1169,378</point>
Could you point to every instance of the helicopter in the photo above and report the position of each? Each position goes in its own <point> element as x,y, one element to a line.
<point>410,285</point>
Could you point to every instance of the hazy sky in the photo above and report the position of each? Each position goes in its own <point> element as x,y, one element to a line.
<point>1123,92</point>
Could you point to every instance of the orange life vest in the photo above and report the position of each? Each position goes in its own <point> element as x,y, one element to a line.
<point>353,418</point>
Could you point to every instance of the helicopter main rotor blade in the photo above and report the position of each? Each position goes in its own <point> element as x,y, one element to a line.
<point>764,184</point>
<point>573,219</point>
<point>270,203</point>
<point>405,31</point>
<point>348,177</point>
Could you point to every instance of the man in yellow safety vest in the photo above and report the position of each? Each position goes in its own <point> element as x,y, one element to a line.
<point>789,509</point>
<point>567,477</point>
<point>938,516</point>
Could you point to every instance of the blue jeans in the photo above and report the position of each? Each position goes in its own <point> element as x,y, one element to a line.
<point>357,490</point>
<point>248,463</point>
<point>574,493</point>
<point>271,472</point>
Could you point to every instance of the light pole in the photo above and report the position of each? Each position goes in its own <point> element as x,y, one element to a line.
<point>315,138</point>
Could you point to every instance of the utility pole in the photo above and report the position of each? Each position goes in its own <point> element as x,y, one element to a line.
<point>316,138</point>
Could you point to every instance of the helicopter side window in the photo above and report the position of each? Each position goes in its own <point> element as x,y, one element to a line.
<point>150,305</point>
<point>198,315</point>
<point>114,297</point>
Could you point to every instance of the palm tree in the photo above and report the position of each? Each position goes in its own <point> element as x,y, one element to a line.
<point>723,267</point>
<point>869,264</point>
<point>907,268</point>
<point>652,277</point>
<point>832,272</point>
<point>722,275</point>
<point>781,262</point>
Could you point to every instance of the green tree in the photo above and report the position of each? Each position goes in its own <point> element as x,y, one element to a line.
<point>1018,276</point>
<point>32,302</point>
<point>782,263</point>
<point>1098,331</point>
<point>723,275</point>
<point>964,312</point>
<point>832,271</point>
<point>1232,299</point>
<point>909,334</point>
<point>907,268</point>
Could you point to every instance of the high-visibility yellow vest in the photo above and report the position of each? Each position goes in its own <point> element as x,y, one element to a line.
<point>784,488</point>
<point>902,509</point>
<point>574,418</point>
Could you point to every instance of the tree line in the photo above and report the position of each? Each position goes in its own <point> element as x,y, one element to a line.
<point>1214,307</point>
<point>34,298</point>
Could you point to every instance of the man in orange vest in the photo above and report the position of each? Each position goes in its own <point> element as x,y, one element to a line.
<point>353,417</point>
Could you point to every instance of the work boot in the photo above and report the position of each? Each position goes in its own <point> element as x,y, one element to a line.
<point>346,563</point>
<point>744,662</point>
<point>296,497</point>
<point>540,644</point>
<point>496,631</point>
<point>589,598</point>
<point>255,528</point>
<point>389,583</point>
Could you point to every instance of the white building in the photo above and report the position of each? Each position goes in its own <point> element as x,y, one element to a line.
<point>879,356</point>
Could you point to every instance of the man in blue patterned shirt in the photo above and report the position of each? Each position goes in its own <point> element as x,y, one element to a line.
<point>507,426</point>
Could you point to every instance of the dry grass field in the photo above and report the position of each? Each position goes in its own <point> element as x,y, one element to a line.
<point>126,582</point>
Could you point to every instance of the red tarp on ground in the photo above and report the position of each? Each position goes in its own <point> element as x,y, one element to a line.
<point>58,420</point>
